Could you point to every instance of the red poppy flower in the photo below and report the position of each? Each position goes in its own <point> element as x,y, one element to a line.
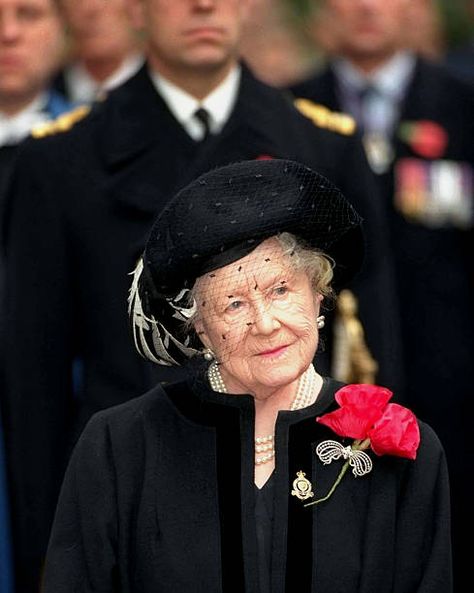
<point>426,138</point>
<point>366,414</point>
<point>396,432</point>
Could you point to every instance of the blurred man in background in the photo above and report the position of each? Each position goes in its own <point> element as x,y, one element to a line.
<point>83,202</point>
<point>273,47</point>
<point>104,50</point>
<point>418,128</point>
<point>31,41</point>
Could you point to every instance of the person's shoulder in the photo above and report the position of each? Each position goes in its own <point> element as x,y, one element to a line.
<point>437,74</point>
<point>317,116</point>
<point>62,123</point>
<point>84,124</point>
<point>428,437</point>
<point>120,434</point>
<point>131,411</point>
<point>287,107</point>
<point>430,452</point>
<point>310,86</point>
<point>53,140</point>
<point>74,131</point>
<point>324,118</point>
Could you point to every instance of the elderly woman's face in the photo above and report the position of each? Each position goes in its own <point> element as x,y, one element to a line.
<point>258,315</point>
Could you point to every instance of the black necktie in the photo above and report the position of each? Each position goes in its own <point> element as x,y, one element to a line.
<point>364,95</point>
<point>202,115</point>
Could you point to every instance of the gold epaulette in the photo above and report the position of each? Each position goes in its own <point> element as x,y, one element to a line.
<point>325,118</point>
<point>63,123</point>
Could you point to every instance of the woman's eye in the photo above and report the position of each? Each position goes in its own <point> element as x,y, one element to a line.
<point>280,290</point>
<point>234,306</point>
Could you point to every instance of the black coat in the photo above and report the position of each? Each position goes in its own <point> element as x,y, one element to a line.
<point>435,279</point>
<point>82,205</point>
<point>55,106</point>
<point>159,498</point>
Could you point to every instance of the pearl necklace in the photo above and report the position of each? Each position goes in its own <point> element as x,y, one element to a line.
<point>305,395</point>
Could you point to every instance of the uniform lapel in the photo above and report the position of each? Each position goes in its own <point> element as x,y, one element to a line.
<point>148,156</point>
<point>144,148</point>
<point>253,131</point>
<point>422,90</point>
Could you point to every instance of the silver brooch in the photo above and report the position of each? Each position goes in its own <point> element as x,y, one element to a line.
<point>327,451</point>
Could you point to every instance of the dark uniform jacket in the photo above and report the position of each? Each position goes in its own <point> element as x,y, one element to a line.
<point>82,205</point>
<point>434,261</point>
<point>159,497</point>
<point>55,105</point>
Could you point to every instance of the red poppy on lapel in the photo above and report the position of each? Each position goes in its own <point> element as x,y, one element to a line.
<point>365,413</point>
<point>426,138</point>
<point>366,416</point>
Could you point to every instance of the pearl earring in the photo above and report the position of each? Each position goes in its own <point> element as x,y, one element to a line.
<point>320,323</point>
<point>208,354</point>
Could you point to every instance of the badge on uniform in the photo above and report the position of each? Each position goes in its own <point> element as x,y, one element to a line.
<point>379,151</point>
<point>302,487</point>
<point>435,193</point>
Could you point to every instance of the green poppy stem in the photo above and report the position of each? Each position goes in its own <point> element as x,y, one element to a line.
<point>357,445</point>
<point>360,445</point>
<point>334,486</point>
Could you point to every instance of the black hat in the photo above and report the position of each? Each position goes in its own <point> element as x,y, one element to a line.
<point>224,214</point>
<point>219,218</point>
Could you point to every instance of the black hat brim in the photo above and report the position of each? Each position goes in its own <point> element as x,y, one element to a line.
<point>224,214</point>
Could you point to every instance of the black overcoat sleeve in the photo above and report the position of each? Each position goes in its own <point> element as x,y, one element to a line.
<point>39,348</point>
<point>389,531</point>
<point>82,552</point>
<point>424,522</point>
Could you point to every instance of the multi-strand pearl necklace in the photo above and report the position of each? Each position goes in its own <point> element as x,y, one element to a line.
<point>305,396</point>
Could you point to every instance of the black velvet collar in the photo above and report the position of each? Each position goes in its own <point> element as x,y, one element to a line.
<point>195,403</point>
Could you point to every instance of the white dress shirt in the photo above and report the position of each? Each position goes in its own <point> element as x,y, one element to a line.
<point>15,128</point>
<point>380,109</point>
<point>219,103</point>
<point>82,88</point>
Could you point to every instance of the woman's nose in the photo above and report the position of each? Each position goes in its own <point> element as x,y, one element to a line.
<point>204,4</point>
<point>264,321</point>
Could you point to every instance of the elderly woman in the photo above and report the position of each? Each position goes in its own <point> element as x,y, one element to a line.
<point>255,474</point>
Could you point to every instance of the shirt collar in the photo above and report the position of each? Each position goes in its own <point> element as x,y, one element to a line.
<point>14,128</point>
<point>219,103</point>
<point>83,88</point>
<point>391,79</point>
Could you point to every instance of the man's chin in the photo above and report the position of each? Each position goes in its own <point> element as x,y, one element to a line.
<point>210,57</point>
<point>14,89</point>
<point>209,65</point>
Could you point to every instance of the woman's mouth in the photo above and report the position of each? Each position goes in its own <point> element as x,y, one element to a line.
<point>274,351</point>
